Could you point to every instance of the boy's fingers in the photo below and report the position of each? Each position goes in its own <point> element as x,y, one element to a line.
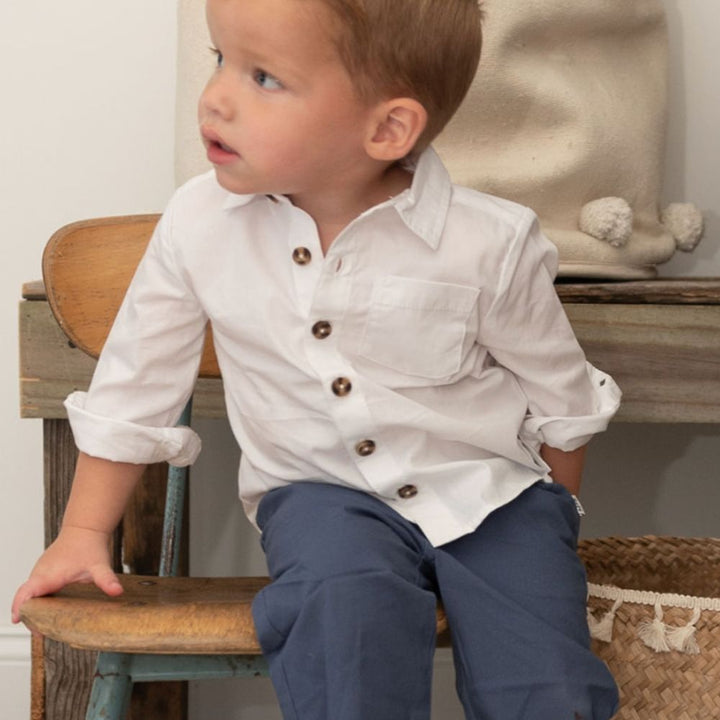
<point>18,600</point>
<point>26,591</point>
<point>103,577</point>
<point>107,581</point>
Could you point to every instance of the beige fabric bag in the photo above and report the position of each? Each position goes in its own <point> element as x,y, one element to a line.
<point>568,108</point>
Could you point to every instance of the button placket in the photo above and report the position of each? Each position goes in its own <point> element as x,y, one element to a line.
<point>349,411</point>
<point>347,405</point>
<point>304,257</point>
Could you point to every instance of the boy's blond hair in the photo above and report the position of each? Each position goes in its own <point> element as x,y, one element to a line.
<point>425,49</point>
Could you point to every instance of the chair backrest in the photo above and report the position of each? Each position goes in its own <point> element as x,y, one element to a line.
<point>87,267</point>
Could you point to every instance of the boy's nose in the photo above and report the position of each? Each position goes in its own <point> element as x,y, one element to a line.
<point>216,99</point>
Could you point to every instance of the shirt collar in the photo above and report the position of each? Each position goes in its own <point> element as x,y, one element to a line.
<point>423,207</point>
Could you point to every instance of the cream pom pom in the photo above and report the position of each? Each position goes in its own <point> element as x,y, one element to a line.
<point>608,219</point>
<point>684,222</point>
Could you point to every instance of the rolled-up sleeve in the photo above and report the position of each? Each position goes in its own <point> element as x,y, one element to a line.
<point>526,330</point>
<point>147,368</point>
<point>124,441</point>
<point>570,433</point>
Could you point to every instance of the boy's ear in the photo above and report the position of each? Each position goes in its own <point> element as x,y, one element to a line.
<point>396,126</point>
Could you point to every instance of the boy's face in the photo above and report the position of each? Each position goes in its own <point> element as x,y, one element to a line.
<point>280,114</point>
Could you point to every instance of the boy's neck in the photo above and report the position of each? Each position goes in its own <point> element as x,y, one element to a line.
<point>335,209</point>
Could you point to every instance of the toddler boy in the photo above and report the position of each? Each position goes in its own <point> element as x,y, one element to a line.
<point>410,399</point>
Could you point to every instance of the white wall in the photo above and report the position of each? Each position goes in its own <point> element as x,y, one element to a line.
<point>87,130</point>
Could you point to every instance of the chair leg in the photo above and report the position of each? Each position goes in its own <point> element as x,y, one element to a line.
<point>111,689</point>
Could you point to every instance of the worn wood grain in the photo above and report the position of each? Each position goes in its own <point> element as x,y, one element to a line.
<point>68,672</point>
<point>51,368</point>
<point>68,679</point>
<point>60,456</point>
<point>159,700</point>
<point>87,267</point>
<point>61,686</point>
<point>665,358</point>
<point>37,678</point>
<point>143,525</point>
<point>34,290</point>
<point>670,291</point>
<point>674,291</point>
<point>158,615</point>
<point>141,541</point>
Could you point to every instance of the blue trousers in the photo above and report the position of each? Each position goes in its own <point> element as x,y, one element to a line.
<point>348,623</point>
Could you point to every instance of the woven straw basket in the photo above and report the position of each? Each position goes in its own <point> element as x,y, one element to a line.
<point>654,614</point>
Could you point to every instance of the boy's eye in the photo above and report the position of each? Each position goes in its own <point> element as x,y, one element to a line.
<point>266,81</point>
<point>218,55</point>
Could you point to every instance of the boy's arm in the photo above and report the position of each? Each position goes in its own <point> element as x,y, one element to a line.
<point>565,467</point>
<point>81,553</point>
<point>525,329</point>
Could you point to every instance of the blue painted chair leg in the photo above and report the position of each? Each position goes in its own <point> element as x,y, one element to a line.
<point>112,687</point>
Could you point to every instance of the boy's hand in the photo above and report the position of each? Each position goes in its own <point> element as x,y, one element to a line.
<point>77,555</point>
<point>81,553</point>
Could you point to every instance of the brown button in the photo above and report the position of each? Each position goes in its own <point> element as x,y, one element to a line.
<point>322,329</point>
<point>301,255</point>
<point>407,491</point>
<point>365,448</point>
<point>341,386</point>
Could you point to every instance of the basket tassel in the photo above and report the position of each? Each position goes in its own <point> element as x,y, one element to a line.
<point>654,633</point>
<point>683,638</point>
<point>603,629</point>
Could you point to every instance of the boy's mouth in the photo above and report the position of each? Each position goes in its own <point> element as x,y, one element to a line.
<point>218,151</point>
<point>222,146</point>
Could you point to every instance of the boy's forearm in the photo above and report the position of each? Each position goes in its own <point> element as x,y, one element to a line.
<point>100,492</point>
<point>565,467</point>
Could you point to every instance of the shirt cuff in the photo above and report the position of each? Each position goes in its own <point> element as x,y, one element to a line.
<point>124,441</point>
<point>570,433</point>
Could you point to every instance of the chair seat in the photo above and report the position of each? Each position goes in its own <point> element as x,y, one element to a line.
<point>154,615</point>
<point>169,615</point>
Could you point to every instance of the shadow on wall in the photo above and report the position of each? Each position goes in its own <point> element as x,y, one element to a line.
<point>675,179</point>
<point>653,479</point>
<point>222,541</point>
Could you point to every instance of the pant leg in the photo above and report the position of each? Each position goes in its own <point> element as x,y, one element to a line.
<point>348,623</point>
<point>515,595</point>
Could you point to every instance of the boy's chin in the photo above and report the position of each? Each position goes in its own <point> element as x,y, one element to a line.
<point>235,185</point>
<point>239,186</point>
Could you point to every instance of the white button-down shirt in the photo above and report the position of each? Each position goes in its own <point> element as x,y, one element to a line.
<point>424,359</point>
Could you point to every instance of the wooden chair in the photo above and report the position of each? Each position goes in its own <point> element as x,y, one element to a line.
<point>165,627</point>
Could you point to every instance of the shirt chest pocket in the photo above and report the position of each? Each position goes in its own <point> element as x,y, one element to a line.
<point>418,327</point>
